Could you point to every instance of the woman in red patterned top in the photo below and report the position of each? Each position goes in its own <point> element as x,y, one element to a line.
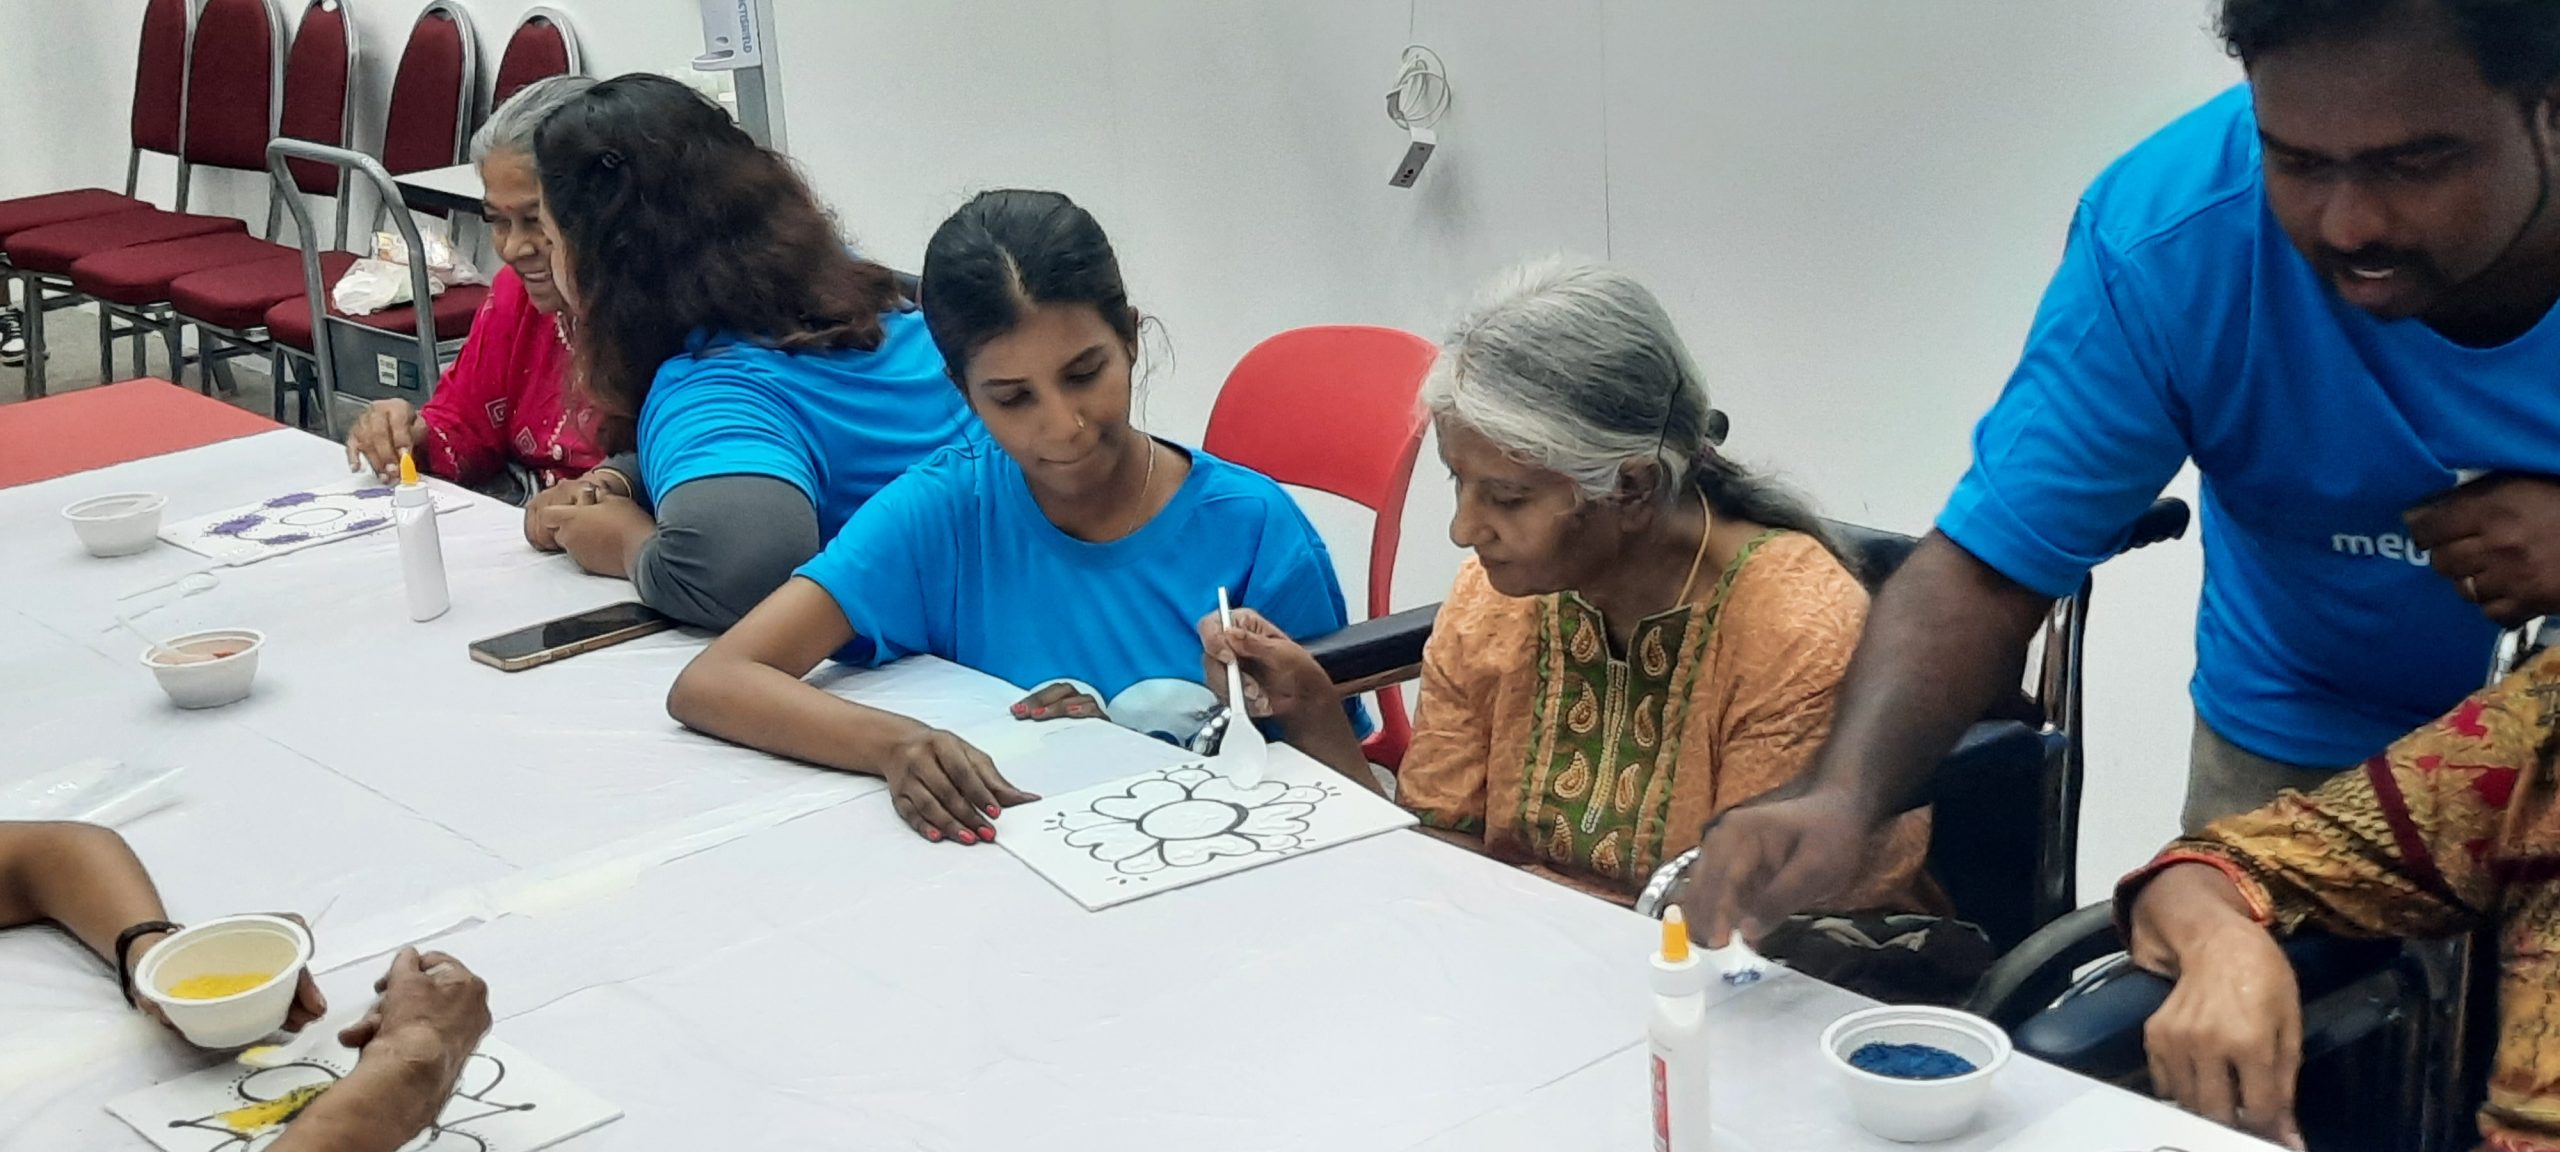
<point>503,419</point>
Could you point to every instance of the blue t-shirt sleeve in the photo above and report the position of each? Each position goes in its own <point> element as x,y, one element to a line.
<point>889,571</point>
<point>1293,585</point>
<point>2085,435</point>
<point>714,417</point>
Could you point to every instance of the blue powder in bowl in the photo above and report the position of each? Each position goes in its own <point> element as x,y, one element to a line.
<point>1910,1061</point>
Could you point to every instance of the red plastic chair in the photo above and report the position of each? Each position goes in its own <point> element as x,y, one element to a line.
<point>543,46</point>
<point>1336,408</point>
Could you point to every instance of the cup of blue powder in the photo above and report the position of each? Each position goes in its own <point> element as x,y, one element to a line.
<point>1916,1074</point>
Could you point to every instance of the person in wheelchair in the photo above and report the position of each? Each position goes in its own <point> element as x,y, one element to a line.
<point>2455,828</point>
<point>1647,632</point>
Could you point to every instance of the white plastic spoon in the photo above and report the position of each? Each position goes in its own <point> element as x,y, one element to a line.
<point>1242,750</point>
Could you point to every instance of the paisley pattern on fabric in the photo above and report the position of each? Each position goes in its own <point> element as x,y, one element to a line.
<point>1602,783</point>
<point>2455,828</point>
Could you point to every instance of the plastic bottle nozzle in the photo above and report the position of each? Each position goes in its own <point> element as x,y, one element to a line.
<point>1675,936</point>
<point>408,468</point>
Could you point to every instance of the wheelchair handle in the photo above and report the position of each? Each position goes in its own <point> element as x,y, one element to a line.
<point>2165,520</point>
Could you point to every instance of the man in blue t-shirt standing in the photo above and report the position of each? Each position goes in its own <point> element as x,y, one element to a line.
<point>2332,289</point>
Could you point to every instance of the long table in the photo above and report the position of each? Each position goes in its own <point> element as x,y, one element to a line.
<point>747,953</point>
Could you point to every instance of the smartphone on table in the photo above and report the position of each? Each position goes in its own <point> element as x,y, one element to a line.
<point>567,636</point>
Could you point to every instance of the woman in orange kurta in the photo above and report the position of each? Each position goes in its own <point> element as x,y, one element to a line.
<point>1647,634</point>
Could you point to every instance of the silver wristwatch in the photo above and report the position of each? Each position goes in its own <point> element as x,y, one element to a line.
<point>1666,884</point>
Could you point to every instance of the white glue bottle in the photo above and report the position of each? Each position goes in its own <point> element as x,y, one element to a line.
<point>413,512</point>
<point>1677,1036</point>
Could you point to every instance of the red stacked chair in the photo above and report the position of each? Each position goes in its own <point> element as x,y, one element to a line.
<point>426,127</point>
<point>158,125</point>
<point>543,46</point>
<point>227,300</point>
<point>235,97</point>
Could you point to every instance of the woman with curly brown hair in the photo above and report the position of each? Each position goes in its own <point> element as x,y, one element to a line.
<point>770,380</point>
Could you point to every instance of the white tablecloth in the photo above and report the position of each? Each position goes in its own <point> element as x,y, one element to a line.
<point>747,953</point>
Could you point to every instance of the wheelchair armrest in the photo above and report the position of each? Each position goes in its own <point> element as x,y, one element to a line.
<point>2166,519</point>
<point>2098,1032</point>
<point>1373,652</point>
<point>1997,755</point>
<point>2036,972</point>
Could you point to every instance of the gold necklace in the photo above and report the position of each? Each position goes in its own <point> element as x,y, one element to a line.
<point>1145,485</point>
<point>1705,530</point>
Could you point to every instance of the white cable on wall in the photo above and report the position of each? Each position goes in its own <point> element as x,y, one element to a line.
<point>1421,95</point>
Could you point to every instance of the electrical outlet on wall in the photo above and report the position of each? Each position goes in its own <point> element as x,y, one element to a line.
<point>1416,155</point>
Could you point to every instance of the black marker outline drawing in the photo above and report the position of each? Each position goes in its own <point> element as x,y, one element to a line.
<point>434,1138</point>
<point>1189,829</point>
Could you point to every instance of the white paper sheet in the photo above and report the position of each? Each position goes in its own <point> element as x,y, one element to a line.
<point>295,521</point>
<point>1173,827</point>
<point>505,1103</point>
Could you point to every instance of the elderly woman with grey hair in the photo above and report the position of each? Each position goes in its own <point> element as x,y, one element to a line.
<point>1648,632</point>
<point>503,419</point>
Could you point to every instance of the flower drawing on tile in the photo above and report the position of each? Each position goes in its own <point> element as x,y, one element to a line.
<point>1188,816</point>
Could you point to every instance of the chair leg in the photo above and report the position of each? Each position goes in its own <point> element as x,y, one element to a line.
<point>275,393</point>
<point>176,339</point>
<point>106,344</point>
<point>218,367</point>
<point>32,291</point>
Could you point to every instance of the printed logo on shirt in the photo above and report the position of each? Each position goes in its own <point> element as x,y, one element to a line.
<point>498,409</point>
<point>524,442</point>
<point>2387,546</point>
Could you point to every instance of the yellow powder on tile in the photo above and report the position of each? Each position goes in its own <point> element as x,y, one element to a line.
<point>270,1115</point>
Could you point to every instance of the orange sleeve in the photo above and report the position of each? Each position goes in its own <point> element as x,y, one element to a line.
<point>1442,779</point>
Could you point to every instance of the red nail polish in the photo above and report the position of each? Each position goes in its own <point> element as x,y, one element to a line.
<point>988,834</point>
<point>933,834</point>
<point>1039,711</point>
<point>993,811</point>
<point>966,838</point>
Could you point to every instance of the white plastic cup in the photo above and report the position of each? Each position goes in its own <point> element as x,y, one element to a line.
<point>1917,1111</point>
<point>210,681</point>
<point>232,944</point>
<point>117,525</point>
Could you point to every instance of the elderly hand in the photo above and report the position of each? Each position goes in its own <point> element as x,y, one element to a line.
<point>432,1014</point>
<point>386,429</point>
<point>1282,680</point>
<point>2227,1044</point>
<point>2498,540</point>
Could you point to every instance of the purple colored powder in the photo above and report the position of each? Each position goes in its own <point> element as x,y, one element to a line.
<point>290,499</point>
<point>367,524</point>
<point>1909,1061</point>
<point>371,493</point>
<point>287,538</point>
<point>236,525</point>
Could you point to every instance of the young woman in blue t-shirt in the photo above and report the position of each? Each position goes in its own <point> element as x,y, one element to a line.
<point>769,380</point>
<point>1073,552</point>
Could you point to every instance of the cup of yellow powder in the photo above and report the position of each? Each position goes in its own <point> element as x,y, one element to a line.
<point>227,983</point>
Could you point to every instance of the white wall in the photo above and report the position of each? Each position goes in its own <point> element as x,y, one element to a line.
<point>1852,206</point>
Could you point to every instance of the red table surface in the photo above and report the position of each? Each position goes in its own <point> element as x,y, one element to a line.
<point>96,427</point>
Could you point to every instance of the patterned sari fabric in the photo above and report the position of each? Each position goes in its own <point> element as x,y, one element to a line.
<point>1592,768</point>
<point>2455,828</point>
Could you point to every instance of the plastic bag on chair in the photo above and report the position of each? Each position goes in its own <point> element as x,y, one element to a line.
<point>382,281</point>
